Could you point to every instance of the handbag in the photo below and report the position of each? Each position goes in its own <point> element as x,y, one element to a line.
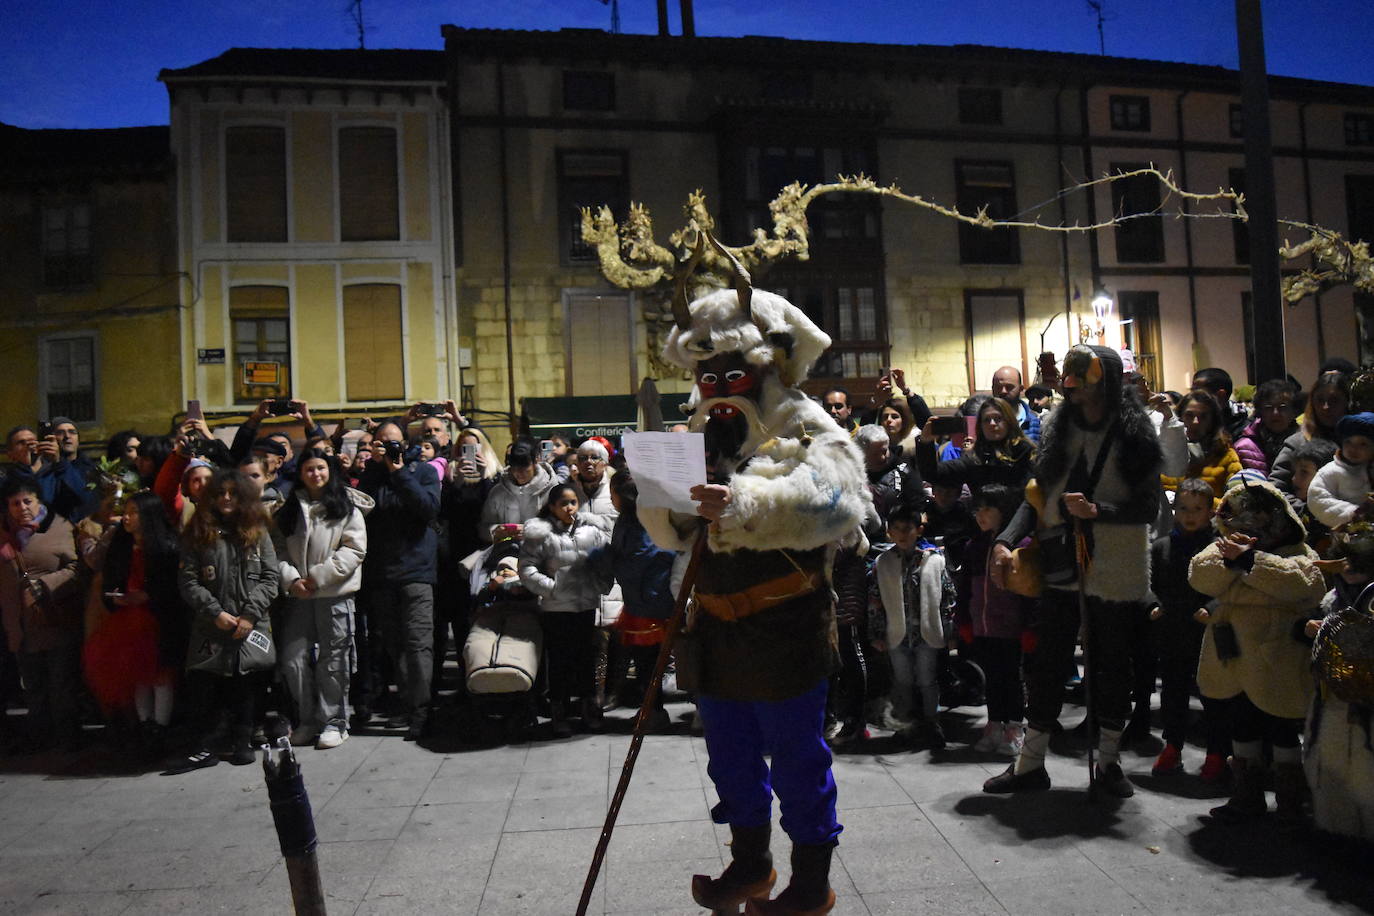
<point>1024,577</point>
<point>1343,652</point>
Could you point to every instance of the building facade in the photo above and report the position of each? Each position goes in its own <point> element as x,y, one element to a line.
<point>313,229</point>
<point>547,122</point>
<point>89,282</point>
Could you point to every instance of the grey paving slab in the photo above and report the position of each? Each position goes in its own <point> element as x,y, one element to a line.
<point>513,829</point>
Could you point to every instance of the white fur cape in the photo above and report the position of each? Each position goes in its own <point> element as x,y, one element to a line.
<point>804,488</point>
<point>888,571</point>
<point>775,333</point>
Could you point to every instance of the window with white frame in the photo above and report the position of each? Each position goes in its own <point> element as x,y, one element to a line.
<point>68,377</point>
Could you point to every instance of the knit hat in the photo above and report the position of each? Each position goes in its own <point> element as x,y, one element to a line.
<point>270,447</point>
<point>1355,424</point>
<point>195,463</point>
<point>1245,476</point>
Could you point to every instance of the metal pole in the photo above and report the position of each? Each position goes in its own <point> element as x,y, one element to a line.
<point>293,819</point>
<point>1265,292</point>
<point>665,652</point>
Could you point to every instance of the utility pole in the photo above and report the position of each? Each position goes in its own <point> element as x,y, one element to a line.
<point>1096,7</point>
<point>355,12</point>
<point>1266,301</point>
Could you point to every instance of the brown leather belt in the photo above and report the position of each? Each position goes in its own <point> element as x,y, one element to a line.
<point>756,598</point>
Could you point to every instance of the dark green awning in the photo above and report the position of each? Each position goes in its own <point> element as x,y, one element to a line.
<point>609,415</point>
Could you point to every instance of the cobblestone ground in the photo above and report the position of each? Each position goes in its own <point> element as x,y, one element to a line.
<point>457,829</point>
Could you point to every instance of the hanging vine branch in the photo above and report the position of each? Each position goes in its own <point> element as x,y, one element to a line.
<point>630,257</point>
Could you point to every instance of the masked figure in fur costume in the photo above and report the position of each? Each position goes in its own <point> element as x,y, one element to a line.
<point>786,486</point>
<point>1099,464</point>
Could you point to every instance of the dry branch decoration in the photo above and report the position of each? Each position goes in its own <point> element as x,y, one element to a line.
<point>631,259</point>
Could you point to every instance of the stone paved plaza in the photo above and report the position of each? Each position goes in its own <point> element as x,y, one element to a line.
<point>511,829</point>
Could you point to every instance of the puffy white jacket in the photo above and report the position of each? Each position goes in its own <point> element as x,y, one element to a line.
<point>1337,491</point>
<point>510,503</point>
<point>553,563</point>
<point>328,551</point>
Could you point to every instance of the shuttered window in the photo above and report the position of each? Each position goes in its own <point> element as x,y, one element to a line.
<point>261,319</point>
<point>69,374</point>
<point>255,184</point>
<point>600,341</point>
<point>369,196</point>
<point>996,326</point>
<point>372,342</point>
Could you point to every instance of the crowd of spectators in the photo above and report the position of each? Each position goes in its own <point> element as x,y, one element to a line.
<point>165,597</point>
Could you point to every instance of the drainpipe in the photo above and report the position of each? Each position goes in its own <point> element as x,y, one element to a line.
<point>1307,198</point>
<point>1063,221</point>
<point>505,243</point>
<point>1187,226</point>
<point>663,18</point>
<point>1094,259</point>
<point>689,22</point>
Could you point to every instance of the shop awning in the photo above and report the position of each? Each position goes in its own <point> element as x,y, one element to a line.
<point>609,415</point>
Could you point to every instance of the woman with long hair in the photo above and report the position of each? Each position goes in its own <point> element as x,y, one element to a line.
<point>132,661</point>
<point>1210,456</point>
<point>1327,401</point>
<point>554,566</point>
<point>894,416</point>
<point>229,578</point>
<point>324,541</point>
<point>1001,452</point>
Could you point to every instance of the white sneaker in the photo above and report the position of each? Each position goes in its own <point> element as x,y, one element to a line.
<point>991,737</point>
<point>332,736</point>
<point>304,736</point>
<point>1012,739</point>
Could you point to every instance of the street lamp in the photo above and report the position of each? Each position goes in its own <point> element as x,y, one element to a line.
<point>1102,304</point>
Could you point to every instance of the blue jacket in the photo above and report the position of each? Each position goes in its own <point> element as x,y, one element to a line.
<point>402,541</point>
<point>643,569</point>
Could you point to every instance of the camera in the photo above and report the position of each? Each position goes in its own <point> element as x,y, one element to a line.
<point>394,450</point>
<point>430,410</point>
<point>279,407</point>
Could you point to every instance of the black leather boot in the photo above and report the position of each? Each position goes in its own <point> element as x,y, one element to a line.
<point>808,893</point>
<point>749,874</point>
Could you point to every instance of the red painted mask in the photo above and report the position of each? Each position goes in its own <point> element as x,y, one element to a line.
<point>739,381</point>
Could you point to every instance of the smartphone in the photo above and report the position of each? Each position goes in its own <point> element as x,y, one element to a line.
<point>546,449</point>
<point>280,407</point>
<point>44,429</point>
<point>470,452</point>
<point>360,423</point>
<point>113,595</point>
<point>949,426</point>
<point>971,427</point>
<point>431,410</point>
<point>193,411</point>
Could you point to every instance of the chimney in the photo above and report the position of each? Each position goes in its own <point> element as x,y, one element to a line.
<point>663,17</point>
<point>689,24</point>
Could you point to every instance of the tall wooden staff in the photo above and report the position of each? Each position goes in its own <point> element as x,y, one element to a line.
<point>665,652</point>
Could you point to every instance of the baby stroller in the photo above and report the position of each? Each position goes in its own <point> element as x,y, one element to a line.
<point>503,647</point>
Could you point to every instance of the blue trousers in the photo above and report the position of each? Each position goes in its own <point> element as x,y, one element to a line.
<point>791,731</point>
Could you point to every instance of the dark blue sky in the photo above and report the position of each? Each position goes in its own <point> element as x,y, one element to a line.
<point>95,63</point>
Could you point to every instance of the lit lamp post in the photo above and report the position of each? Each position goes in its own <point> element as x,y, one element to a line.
<point>1102,309</point>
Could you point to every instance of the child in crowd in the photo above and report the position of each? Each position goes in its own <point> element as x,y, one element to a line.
<point>1339,490</point>
<point>1178,613</point>
<point>1307,460</point>
<point>910,618</point>
<point>994,622</point>
<point>1338,756</point>
<point>554,564</point>
<point>1267,581</point>
<point>949,522</point>
<point>228,577</point>
<point>429,451</point>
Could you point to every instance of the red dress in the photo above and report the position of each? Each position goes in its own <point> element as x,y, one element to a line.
<point>123,653</point>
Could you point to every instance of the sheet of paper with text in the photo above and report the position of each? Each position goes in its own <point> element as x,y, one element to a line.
<point>665,467</point>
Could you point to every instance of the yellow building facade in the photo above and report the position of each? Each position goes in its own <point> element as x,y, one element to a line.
<point>313,230</point>
<point>89,283</point>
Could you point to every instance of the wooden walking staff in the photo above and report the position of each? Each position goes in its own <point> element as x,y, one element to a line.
<point>665,652</point>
